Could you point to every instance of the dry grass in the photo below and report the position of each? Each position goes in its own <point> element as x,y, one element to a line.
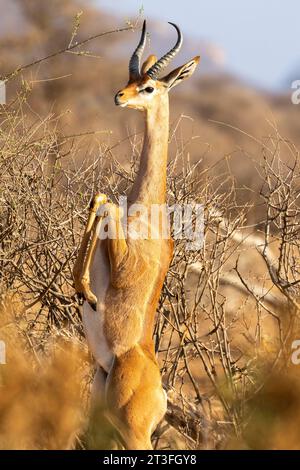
<point>42,396</point>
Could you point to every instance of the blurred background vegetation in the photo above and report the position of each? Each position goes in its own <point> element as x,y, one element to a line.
<point>83,87</point>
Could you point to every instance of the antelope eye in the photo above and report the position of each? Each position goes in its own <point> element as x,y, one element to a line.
<point>149,89</point>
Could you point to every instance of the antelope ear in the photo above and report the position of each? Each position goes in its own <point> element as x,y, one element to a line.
<point>148,63</point>
<point>181,73</point>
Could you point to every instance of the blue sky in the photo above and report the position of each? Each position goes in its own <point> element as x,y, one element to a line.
<point>260,37</point>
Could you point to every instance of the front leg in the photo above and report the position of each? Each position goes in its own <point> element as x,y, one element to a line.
<point>86,251</point>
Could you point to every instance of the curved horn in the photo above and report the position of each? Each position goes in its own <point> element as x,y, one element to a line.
<point>166,59</point>
<point>134,63</point>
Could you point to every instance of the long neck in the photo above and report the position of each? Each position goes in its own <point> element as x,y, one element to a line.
<point>150,184</point>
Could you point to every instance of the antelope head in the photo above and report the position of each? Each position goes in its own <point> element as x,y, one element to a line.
<point>145,88</point>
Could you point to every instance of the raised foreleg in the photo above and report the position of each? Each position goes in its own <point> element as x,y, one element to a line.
<point>81,270</point>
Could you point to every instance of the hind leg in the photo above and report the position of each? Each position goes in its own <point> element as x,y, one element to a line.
<point>135,398</point>
<point>100,434</point>
<point>98,387</point>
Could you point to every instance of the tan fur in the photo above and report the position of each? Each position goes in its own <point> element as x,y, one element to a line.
<point>126,306</point>
<point>148,63</point>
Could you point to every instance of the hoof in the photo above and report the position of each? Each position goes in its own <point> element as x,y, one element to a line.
<point>94,306</point>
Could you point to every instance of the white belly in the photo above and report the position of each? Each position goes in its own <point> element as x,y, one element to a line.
<point>93,330</point>
<point>93,321</point>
